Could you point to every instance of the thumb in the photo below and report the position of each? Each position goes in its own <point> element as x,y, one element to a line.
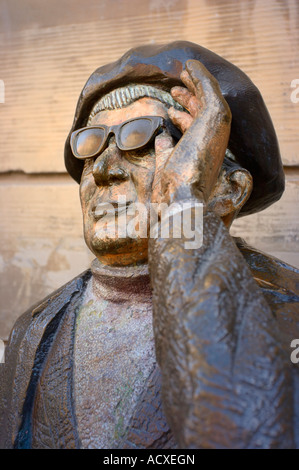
<point>164,145</point>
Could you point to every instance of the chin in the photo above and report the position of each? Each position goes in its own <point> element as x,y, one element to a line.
<point>118,250</point>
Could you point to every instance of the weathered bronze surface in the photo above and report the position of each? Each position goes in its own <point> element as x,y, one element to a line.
<point>157,345</point>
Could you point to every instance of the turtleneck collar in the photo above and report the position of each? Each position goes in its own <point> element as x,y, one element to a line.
<point>121,284</point>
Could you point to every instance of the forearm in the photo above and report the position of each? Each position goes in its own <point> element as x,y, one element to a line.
<point>225,380</point>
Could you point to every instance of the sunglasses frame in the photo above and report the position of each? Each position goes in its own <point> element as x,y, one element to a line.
<point>156,122</point>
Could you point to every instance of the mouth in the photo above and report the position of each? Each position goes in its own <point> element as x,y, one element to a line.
<point>110,209</point>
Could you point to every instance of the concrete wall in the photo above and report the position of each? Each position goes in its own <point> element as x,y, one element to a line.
<point>48,50</point>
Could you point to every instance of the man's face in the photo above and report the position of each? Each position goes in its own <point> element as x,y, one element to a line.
<point>113,174</point>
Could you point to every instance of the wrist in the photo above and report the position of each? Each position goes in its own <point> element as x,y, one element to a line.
<point>186,192</point>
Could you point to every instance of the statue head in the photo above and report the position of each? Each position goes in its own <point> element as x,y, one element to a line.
<point>121,98</point>
<point>133,120</point>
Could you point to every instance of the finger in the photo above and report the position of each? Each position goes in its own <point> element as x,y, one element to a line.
<point>163,142</point>
<point>164,145</point>
<point>194,88</point>
<point>186,99</point>
<point>203,81</point>
<point>181,94</point>
<point>180,119</point>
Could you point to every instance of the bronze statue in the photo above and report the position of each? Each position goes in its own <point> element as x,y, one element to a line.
<point>159,345</point>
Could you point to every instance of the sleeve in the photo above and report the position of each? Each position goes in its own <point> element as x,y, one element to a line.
<point>226,380</point>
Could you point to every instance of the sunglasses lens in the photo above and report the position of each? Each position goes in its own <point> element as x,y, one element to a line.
<point>88,142</point>
<point>135,134</point>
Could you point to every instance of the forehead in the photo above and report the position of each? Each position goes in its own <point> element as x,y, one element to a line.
<point>142,107</point>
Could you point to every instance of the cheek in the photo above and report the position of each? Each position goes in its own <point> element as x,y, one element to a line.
<point>142,181</point>
<point>87,189</point>
<point>142,176</point>
<point>87,185</point>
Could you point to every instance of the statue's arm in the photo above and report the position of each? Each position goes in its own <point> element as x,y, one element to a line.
<point>225,379</point>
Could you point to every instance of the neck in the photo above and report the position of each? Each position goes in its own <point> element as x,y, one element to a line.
<point>121,284</point>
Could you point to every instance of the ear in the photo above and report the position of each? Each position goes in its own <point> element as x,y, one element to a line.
<point>232,190</point>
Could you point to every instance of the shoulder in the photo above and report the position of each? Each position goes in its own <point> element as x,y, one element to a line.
<point>27,337</point>
<point>279,283</point>
<point>268,271</point>
<point>52,304</point>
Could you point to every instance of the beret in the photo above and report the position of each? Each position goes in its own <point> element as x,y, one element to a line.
<point>252,139</point>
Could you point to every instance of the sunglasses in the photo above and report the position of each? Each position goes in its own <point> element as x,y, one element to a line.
<point>129,135</point>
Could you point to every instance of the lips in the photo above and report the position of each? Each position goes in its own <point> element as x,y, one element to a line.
<point>109,209</point>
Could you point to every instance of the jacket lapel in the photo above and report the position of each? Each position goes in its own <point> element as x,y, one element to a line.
<point>54,423</point>
<point>35,357</point>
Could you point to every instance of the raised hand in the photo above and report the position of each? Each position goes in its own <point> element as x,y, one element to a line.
<point>190,169</point>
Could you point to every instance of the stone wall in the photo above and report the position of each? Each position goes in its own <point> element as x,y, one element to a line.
<point>48,50</point>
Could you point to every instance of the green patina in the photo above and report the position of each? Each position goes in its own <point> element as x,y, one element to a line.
<point>126,391</point>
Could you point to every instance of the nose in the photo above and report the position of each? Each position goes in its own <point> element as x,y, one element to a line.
<point>109,168</point>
